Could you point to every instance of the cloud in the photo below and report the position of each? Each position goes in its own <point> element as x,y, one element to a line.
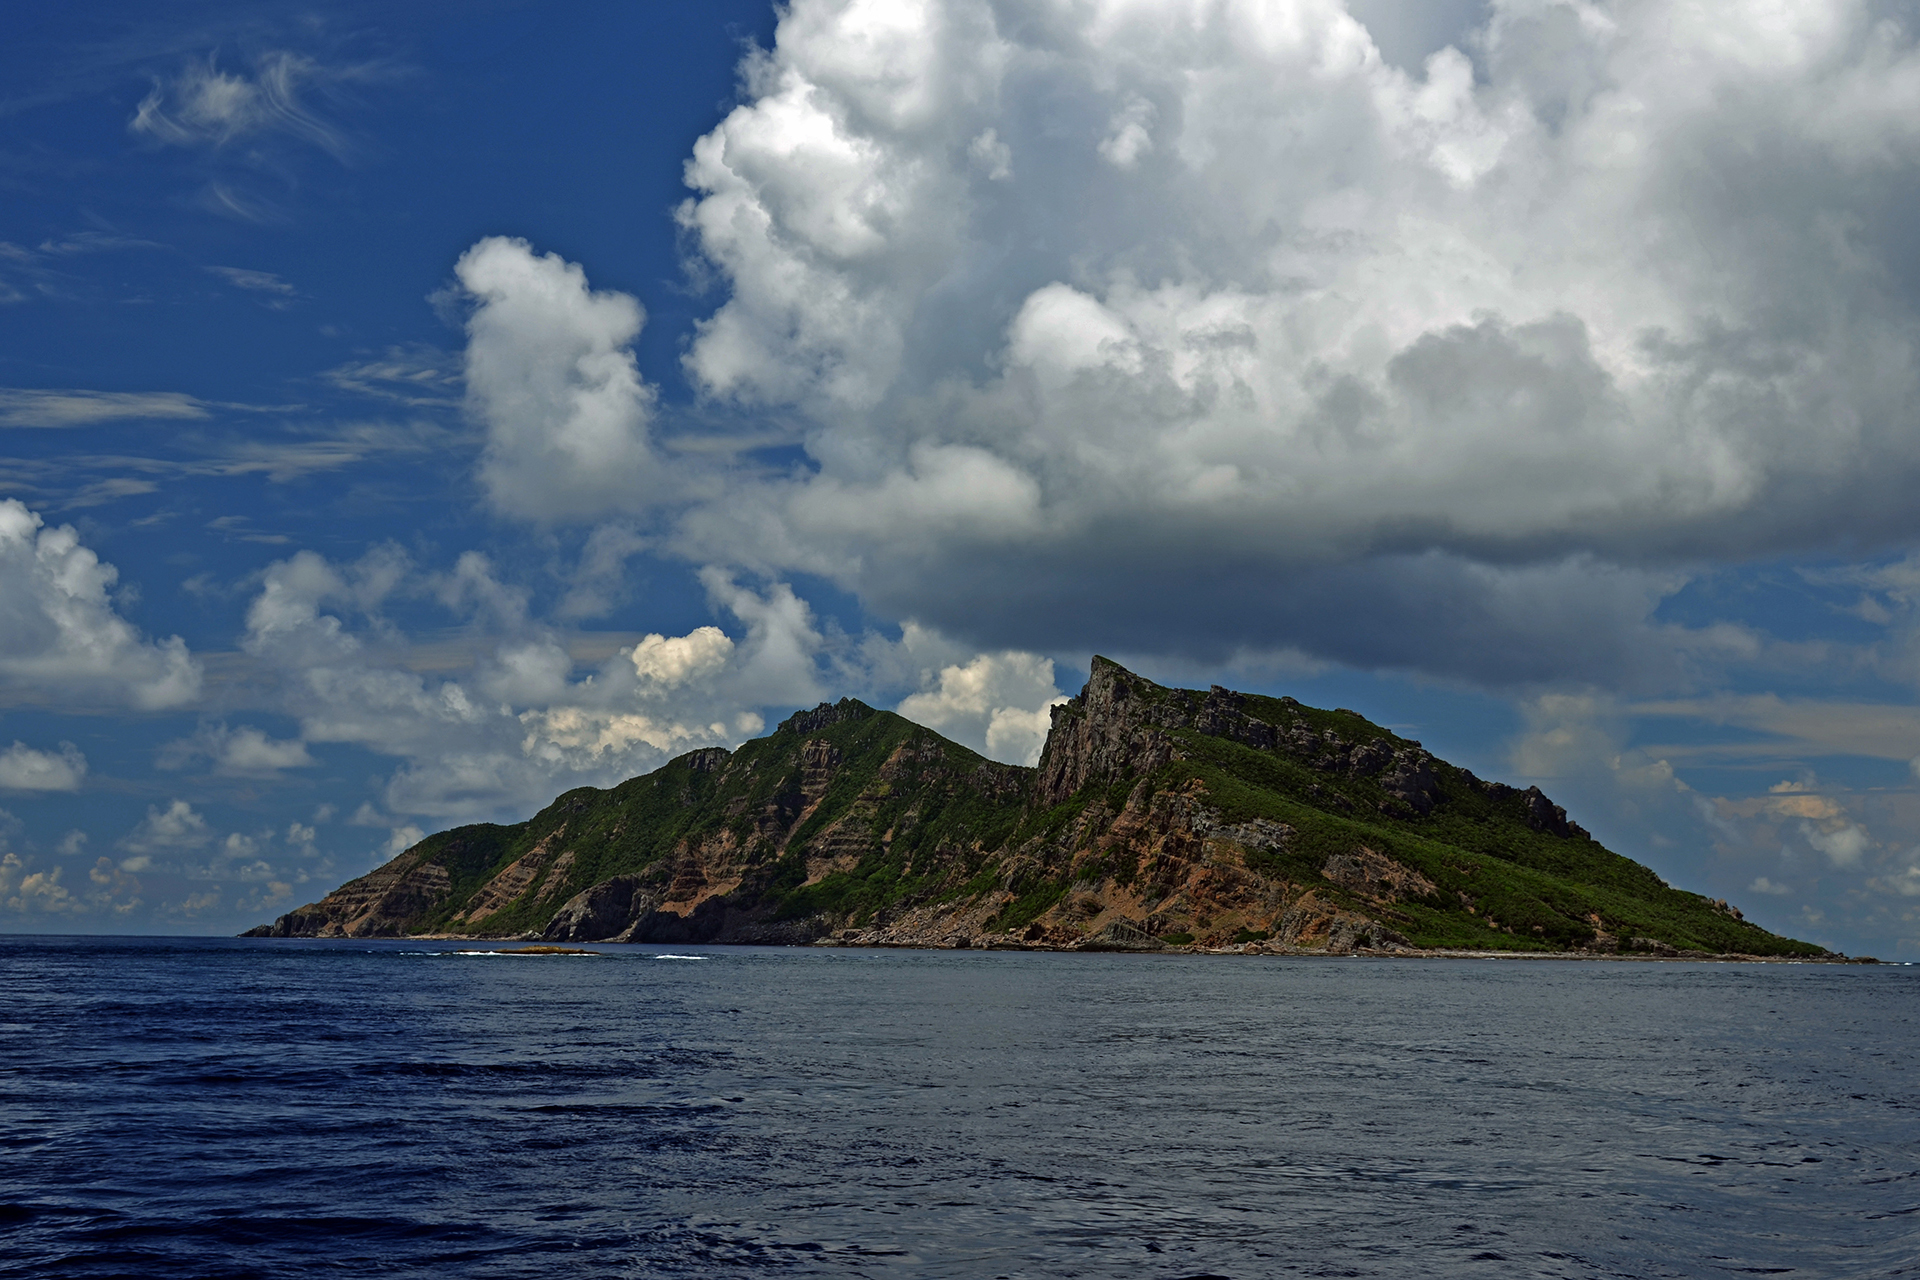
<point>402,839</point>
<point>1905,881</point>
<point>175,827</point>
<point>195,905</point>
<point>113,888</point>
<point>415,375</point>
<point>205,106</point>
<point>27,891</point>
<point>1212,318</point>
<point>1794,728</point>
<point>502,726</point>
<point>24,769</point>
<point>1843,847</point>
<point>1000,704</point>
<point>60,636</point>
<point>599,581</point>
<point>550,373</point>
<point>664,662</point>
<point>254,281</point>
<point>19,408</point>
<point>245,751</point>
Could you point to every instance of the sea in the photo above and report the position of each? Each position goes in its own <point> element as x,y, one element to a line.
<point>268,1108</point>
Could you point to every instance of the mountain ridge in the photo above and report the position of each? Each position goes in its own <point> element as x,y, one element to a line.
<point>1155,818</point>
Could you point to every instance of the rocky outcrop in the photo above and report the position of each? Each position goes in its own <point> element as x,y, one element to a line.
<point>381,905</point>
<point>1116,726</point>
<point>605,910</point>
<point>1315,924</point>
<point>1375,876</point>
<point>824,716</point>
<point>545,865</point>
<point>1544,815</point>
<point>1121,935</point>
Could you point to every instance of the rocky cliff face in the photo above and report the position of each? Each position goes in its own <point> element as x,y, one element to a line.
<point>1156,817</point>
<point>379,905</point>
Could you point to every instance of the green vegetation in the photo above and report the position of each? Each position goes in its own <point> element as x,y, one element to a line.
<point>1033,898</point>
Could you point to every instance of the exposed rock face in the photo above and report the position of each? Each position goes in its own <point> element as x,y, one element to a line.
<point>1544,815</point>
<point>1311,921</point>
<point>545,866</point>
<point>1376,877</point>
<point>1110,729</point>
<point>380,905</point>
<point>606,910</point>
<point>1155,817</point>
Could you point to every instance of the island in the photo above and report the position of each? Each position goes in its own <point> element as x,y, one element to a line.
<point>1156,819</point>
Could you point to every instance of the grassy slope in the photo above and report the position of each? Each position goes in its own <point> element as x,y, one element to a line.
<point>1473,845</point>
<point>954,802</point>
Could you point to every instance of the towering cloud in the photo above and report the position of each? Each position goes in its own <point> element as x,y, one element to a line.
<point>1096,306</point>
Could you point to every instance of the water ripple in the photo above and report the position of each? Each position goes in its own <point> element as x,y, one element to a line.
<point>175,1108</point>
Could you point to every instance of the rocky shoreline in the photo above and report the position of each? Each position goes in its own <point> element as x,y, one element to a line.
<point>1667,955</point>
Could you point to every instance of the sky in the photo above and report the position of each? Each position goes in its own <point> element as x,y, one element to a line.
<point>411,412</point>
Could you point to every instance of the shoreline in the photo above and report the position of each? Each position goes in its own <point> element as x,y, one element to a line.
<point>1246,949</point>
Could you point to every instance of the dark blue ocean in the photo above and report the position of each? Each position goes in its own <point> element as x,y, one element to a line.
<point>210,1108</point>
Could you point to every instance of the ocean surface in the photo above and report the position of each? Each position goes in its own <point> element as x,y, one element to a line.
<point>213,1108</point>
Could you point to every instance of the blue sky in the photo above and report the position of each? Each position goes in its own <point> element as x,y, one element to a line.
<point>405,417</point>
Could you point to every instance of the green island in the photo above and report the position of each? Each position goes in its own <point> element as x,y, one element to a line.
<point>1155,819</point>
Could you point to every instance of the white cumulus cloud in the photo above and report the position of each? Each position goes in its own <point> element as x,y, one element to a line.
<point>668,661</point>
<point>551,375</point>
<point>60,635</point>
<point>1213,313</point>
<point>175,827</point>
<point>1000,704</point>
<point>27,891</point>
<point>240,751</point>
<point>24,769</point>
<point>1843,847</point>
<point>502,729</point>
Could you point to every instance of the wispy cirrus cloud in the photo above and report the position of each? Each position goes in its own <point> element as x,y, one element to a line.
<point>415,374</point>
<point>204,105</point>
<point>1773,728</point>
<point>254,281</point>
<point>74,408</point>
<point>73,480</point>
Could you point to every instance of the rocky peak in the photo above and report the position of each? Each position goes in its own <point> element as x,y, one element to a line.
<point>824,715</point>
<point>1122,723</point>
<point>707,759</point>
<point>1544,815</point>
<point>1115,725</point>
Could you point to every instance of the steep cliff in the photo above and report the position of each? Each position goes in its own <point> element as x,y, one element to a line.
<point>1155,817</point>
